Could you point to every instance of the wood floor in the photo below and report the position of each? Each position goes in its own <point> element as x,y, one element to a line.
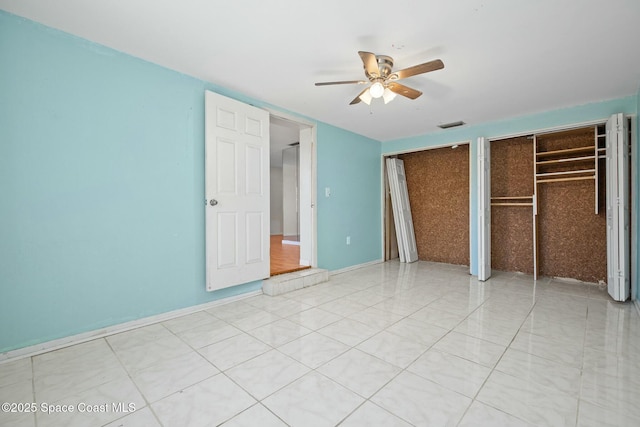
<point>284,258</point>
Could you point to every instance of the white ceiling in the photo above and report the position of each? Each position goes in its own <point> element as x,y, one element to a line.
<point>503,58</point>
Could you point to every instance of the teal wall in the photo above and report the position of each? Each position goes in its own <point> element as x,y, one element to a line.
<point>102,186</point>
<point>518,125</point>
<point>354,192</point>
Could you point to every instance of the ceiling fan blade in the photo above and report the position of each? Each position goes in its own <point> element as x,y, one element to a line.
<point>357,98</point>
<point>418,69</point>
<point>404,90</point>
<point>346,82</point>
<point>370,64</point>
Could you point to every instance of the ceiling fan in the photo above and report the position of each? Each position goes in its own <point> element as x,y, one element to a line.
<point>377,68</point>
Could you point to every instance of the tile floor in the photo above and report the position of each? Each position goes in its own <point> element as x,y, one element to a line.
<point>388,345</point>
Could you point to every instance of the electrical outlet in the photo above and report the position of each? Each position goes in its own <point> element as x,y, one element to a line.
<point>327,192</point>
<point>348,240</point>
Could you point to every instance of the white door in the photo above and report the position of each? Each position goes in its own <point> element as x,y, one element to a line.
<point>236,191</point>
<point>618,208</point>
<point>484,208</point>
<point>402,211</point>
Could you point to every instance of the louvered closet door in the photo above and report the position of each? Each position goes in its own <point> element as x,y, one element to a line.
<point>402,211</point>
<point>484,209</point>
<point>618,250</point>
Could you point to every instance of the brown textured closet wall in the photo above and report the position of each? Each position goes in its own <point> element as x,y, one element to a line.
<point>438,185</point>
<point>512,226</point>
<point>572,239</point>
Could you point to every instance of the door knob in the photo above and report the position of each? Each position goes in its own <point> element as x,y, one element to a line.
<point>213,202</point>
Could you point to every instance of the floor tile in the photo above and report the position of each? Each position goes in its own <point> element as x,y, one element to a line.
<point>16,371</point>
<point>538,405</point>
<point>389,344</point>
<point>376,318</point>
<point>69,371</point>
<point>145,354</point>
<point>143,417</point>
<point>343,307</point>
<point>266,373</point>
<point>617,394</point>
<point>360,372</point>
<point>279,332</point>
<point>474,349</point>
<point>190,321</point>
<point>18,419</point>
<point>452,372</point>
<point>169,376</point>
<point>590,415</point>
<point>480,415</point>
<point>255,416</point>
<point>371,415</point>
<point>233,351</point>
<point>421,402</point>
<point>439,318</point>
<point>397,350</point>
<point>314,318</point>
<point>417,331</point>
<point>121,391</point>
<point>313,400</point>
<point>208,333</point>
<point>554,349</point>
<point>207,403</point>
<point>314,349</point>
<point>349,331</point>
<point>523,365</point>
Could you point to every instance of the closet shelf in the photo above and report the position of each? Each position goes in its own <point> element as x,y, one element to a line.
<point>511,198</point>
<point>576,172</point>
<point>574,178</point>
<point>577,150</point>
<point>568,159</point>
<point>511,204</point>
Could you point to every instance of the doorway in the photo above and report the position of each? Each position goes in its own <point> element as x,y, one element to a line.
<point>291,207</point>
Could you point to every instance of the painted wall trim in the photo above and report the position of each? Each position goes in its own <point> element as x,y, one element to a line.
<point>57,344</point>
<point>427,147</point>
<point>355,267</point>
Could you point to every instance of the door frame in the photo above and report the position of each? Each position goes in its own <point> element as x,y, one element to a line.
<point>633,173</point>
<point>385,221</point>
<point>308,187</point>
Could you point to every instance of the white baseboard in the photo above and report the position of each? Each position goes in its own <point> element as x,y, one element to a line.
<point>355,267</point>
<point>115,329</point>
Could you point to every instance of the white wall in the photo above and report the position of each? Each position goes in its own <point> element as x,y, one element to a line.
<point>276,200</point>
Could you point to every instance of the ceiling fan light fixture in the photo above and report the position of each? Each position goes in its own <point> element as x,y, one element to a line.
<point>366,97</point>
<point>376,90</point>
<point>388,95</point>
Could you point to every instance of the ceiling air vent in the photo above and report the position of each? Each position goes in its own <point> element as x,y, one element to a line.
<point>451,125</point>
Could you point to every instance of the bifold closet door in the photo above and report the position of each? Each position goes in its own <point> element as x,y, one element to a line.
<point>618,270</point>
<point>484,209</point>
<point>402,211</point>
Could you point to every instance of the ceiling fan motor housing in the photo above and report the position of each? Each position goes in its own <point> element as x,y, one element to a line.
<point>385,64</point>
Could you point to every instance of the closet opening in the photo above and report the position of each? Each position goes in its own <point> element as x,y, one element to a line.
<point>560,204</point>
<point>438,182</point>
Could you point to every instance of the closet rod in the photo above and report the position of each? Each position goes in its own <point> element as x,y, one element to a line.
<point>577,178</point>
